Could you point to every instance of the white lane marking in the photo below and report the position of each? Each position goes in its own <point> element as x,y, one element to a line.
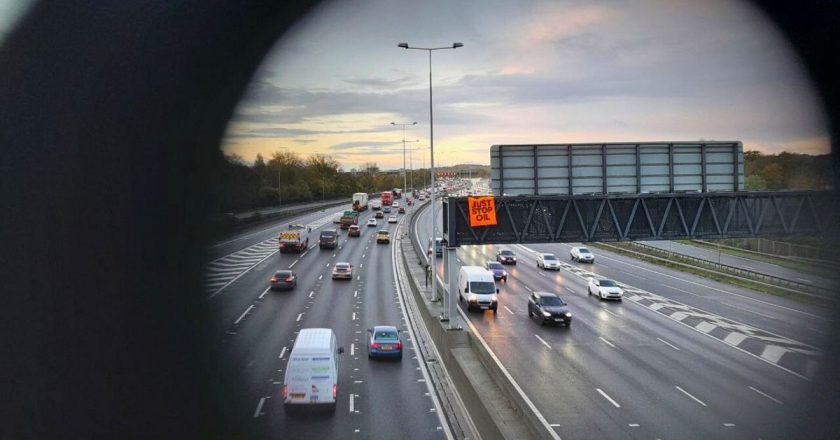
<point>747,310</point>
<point>729,425</point>
<point>569,289</point>
<point>608,397</point>
<point>767,396</point>
<point>358,277</point>
<point>607,342</point>
<point>363,255</point>
<point>243,314</point>
<point>509,310</point>
<point>611,313</point>
<point>352,349</point>
<point>633,425</point>
<point>264,292</point>
<point>311,293</point>
<point>816,330</point>
<point>718,290</point>
<point>542,274</point>
<point>529,289</point>
<point>328,264</point>
<point>543,341</point>
<point>354,316</point>
<point>681,290</point>
<point>259,407</point>
<point>804,279</point>
<point>351,406</point>
<point>282,353</point>
<point>748,267</point>
<point>355,294</point>
<point>668,344</point>
<point>305,252</point>
<point>689,395</point>
<point>320,276</point>
<point>298,318</point>
<point>293,264</point>
<point>554,425</point>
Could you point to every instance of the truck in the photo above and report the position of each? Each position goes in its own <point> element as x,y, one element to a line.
<point>398,193</point>
<point>360,202</point>
<point>376,205</point>
<point>294,239</point>
<point>349,218</point>
<point>386,198</point>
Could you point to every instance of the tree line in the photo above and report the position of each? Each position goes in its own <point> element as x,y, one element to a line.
<point>787,171</point>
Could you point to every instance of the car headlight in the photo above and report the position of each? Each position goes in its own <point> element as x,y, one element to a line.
<point>568,315</point>
<point>504,273</point>
<point>494,298</point>
<point>472,297</point>
<point>546,314</point>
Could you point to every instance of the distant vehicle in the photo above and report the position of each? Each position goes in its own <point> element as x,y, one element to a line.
<point>342,271</point>
<point>605,289</point>
<point>295,239</point>
<point>383,236</point>
<point>283,279</point>
<point>386,198</point>
<point>498,271</point>
<point>337,219</point>
<point>422,197</point>
<point>392,219</point>
<point>548,308</point>
<point>349,218</point>
<point>371,222</point>
<point>506,256</point>
<point>439,245</point>
<point>384,341</point>
<point>398,193</point>
<point>360,202</point>
<point>548,261</point>
<point>328,239</point>
<point>386,209</point>
<point>354,231</point>
<point>395,205</point>
<point>401,210</point>
<point>376,205</point>
<point>477,287</point>
<point>582,254</point>
<point>380,214</point>
<point>311,377</point>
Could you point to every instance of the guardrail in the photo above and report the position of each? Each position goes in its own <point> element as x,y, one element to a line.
<point>729,271</point>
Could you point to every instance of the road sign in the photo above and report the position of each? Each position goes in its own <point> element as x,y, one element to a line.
<point>482,211</point>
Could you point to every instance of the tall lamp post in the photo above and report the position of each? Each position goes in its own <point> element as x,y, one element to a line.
<point>432,153</point>
<point>405,183</point>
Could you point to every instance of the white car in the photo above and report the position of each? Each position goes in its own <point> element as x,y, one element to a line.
<point>582,255</point>
<point>605,289</point>
<point>337,219</point>
<point>395,205</point>
<point>548,261</point>
<point>392,219</point>
<point>371,222</point>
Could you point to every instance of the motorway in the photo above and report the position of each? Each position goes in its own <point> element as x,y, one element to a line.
<point>681,357</point>
<point>257,329</point>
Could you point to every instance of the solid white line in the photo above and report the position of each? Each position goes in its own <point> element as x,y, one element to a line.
<point>243,314</point>
<point>570,290</point>
<point>259,407</point>
<point>352,349</point>
<point>803,279</point>
<point>351,403</point>
<point>767,396</point>
<point>608,342</point>
<point>689,395</point>
<point>529,289</point>
<point>747,310</point>
<point>264,292</point>
<point>298,318</point>
<point>282,353</point>
<point>293,264</point>
<point>681,290</point>
<point>509,310</point>
<point>543,341</point>
<point>608,398</point>
<point>611,313</point>
<point>668,344</point>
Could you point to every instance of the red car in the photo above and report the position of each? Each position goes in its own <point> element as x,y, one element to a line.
<point>355,231</point>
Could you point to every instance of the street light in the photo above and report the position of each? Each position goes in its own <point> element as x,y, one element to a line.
<point>432,153</point>
<point>405,187</point>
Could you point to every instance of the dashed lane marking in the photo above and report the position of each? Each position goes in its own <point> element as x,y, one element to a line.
<point>689,395</point>
<point>766,395</point>
<point>610,399</point>
<point>241,317</point>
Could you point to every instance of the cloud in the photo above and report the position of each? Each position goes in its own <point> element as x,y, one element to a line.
<point>355,144</point>
<point>304,141</point>
<point>383,83</point>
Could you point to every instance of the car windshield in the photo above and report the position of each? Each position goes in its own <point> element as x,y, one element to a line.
<point>584,251</point>
<point>506,253</point>
<point>495,265</point>
<point>383,232</point>
<point>608,283</point>
<point>283,274</point>
<point>342,266</point>
<point>552,301</point>
<point>482,287</point>
<point>328,234</point>
<point>386,334</point>
<point>549,257</point>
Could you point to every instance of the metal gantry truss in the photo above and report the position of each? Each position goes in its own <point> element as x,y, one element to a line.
<point>592,218</point>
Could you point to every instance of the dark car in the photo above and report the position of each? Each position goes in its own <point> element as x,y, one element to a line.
<point>548,308</point>
<point>506,256</point>
<point>401,210</point>
<point>328,239</point>
<point>354,231</point>
<point>384,341</point>
<point>283,279</point>
<point>379,214</point>
<point>498,271</point>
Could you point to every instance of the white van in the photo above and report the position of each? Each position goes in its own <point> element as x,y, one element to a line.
<point>477,287</point>
<point>312,371</point>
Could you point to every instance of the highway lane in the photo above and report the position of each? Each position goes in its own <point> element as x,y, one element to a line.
<point>258,327</point>
<point>622,371</point>
<point>745,263</point>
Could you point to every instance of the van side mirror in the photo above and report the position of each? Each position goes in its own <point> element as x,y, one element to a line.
<point>340,350</point>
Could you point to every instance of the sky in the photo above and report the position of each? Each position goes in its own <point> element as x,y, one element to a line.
<point>529,72</point>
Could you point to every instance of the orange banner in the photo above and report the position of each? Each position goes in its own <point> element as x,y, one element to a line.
<point>482,211</point>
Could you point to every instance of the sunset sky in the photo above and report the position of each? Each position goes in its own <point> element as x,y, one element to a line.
<point>529,72</point>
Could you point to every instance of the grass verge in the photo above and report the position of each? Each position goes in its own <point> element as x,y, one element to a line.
<point>783,262</point>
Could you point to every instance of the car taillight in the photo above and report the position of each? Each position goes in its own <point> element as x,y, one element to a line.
<point>374,345</point>
<point>289,279</point>
<point>285,391</point>
<point>335,391</point>
<point>273,280</point>
<point>398,346</point>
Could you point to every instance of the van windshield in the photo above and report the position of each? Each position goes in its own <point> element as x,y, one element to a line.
<point>328,234</point>
<point>482,287</point>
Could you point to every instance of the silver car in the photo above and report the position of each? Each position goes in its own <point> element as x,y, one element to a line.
<point>548,262</point>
